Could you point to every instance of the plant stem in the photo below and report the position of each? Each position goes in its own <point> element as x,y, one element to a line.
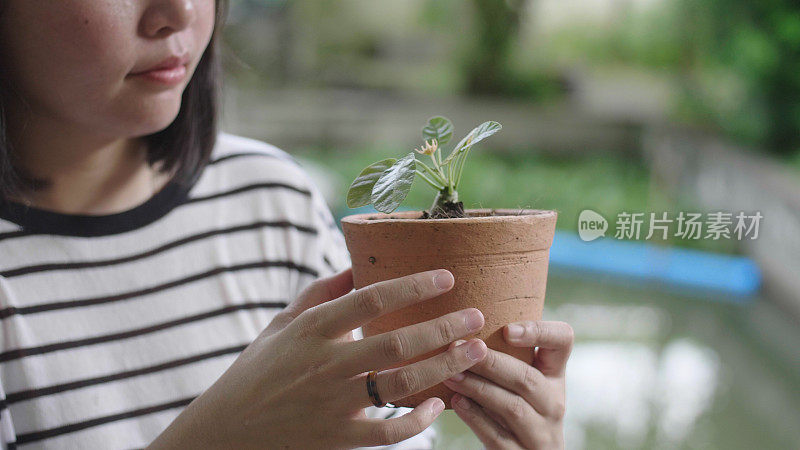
<point>433,173</point>
<point>450,176</point>
<point>461,161</point>
<point>438,166</point>
<point>429,181</point>
<point>443,196</point>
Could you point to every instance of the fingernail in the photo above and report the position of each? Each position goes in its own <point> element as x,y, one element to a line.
<point>438,406</point>
<point>473,319</point>
<point>462,402</point>
<point>515,331</point>
<point>476,350</point>
<point>457,377</point>
<point>443,280</point>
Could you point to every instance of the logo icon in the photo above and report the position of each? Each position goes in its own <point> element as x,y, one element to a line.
<point>591,225</point>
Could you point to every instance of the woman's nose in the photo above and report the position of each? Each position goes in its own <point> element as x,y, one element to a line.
<point>164,17</point>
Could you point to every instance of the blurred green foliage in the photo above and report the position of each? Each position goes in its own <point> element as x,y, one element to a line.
<point>759,41</point>
<point>435,47</point>
<point>736,61</point>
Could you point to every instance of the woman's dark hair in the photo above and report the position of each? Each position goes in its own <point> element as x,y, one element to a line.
<point>183,147</point>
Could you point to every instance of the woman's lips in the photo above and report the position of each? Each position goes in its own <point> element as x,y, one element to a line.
<point>169,77</point>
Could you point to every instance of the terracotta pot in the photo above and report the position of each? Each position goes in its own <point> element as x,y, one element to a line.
<point>498,258</point>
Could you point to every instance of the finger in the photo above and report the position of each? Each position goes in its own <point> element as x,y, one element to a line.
<point>376,432</point>
<point>518,377</point>
<point>322,290</point>
<point>517,413</point>
<point>491,414</point>
<point>400,382</point>
<point>344,314</point>
<point>496,417</point>
<point>388,349</point>
<point>490,433</point>
<point>554,340</point>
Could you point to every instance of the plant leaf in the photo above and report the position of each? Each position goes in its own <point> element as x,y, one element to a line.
<point>393,185</point>
<point>439,128</point>
<point>478,134</point>
<point>361,190</point>
<point>452,155</point>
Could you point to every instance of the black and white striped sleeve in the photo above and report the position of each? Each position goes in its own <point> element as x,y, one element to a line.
<point>332,255</point>
<point>7,435</point>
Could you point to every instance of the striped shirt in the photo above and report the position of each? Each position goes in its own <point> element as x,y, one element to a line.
<point>110,325</point>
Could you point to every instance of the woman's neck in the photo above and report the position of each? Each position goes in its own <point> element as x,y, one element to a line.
<point>90,174</point>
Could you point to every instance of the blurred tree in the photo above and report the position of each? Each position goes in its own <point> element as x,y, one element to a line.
<point>487,64</point>
<point>496,25</point>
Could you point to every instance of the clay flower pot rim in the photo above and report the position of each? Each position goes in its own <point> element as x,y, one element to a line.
<point>476,215</point>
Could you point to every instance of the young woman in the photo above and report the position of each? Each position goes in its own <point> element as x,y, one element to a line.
<point>166,285</point>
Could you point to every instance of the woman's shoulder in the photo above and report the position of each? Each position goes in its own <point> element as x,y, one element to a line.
<point>233,145</point>
<point>251,152</point>
<point>245,158</point>
<point>238,162</point>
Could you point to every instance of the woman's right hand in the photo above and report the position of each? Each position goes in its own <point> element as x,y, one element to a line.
<point>302,382</point>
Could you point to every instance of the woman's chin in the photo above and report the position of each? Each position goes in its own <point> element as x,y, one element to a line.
<point>150,125</point>
<point>155,118</point>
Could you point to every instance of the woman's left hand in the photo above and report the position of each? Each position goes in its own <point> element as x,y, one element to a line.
<point>509,404</point>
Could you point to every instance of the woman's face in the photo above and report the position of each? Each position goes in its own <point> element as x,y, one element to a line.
<point>71,60</point>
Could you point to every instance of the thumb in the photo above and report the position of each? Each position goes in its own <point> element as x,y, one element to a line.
<point>320,291</point>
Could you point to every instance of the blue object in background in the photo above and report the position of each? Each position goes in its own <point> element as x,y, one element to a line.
<point>735,278</point>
